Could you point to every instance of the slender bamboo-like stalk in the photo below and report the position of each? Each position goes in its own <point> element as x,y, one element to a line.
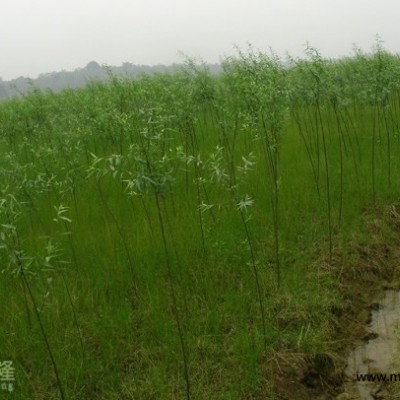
<point>256,276</point>
<point>271,156</point>
<point>26,284</point>
<point>173,297</point>
<point>170,278</point>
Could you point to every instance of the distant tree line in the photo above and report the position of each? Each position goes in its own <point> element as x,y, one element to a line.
<point>57,81</point>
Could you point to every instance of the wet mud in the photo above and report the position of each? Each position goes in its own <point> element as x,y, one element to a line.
<point>376,355</point>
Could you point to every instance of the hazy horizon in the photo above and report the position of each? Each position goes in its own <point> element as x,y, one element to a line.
<point>45,36</point>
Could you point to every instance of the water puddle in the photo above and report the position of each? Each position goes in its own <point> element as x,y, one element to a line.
<point>376,355</point>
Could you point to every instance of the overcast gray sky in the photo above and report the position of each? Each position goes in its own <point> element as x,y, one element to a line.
<point>38,36</point>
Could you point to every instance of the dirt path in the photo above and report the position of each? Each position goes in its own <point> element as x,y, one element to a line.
<point>365,333</point>
<point>375,357</point>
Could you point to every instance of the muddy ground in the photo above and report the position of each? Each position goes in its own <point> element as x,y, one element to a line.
<point>322,377</point>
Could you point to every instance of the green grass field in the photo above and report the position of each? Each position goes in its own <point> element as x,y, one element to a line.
<point>167,238</point>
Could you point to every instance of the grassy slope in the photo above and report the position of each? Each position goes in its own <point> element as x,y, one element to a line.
<point>160,279</point>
